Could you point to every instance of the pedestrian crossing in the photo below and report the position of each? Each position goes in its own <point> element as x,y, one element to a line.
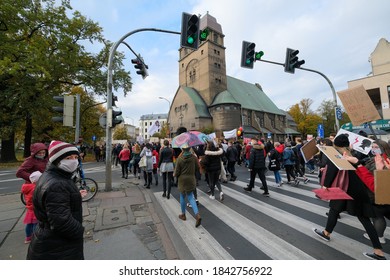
<point>279,227</point>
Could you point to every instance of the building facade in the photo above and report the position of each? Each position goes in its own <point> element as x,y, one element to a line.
<point>146,122</point>
<point>209,99</point>
<point>377,84</point>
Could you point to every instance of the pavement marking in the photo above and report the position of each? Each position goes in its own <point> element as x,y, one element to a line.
<point>199,241</point>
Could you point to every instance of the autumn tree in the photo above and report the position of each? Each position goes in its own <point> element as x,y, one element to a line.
<point>306,120</point>
<point>120,133</point>
<point>43,54</point>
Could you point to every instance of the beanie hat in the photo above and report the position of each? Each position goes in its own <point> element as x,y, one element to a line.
<point>35,176</point>
<point>341,141</point>
<point>59,150</point>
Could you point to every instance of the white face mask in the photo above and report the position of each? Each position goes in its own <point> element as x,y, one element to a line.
<point>69,165</point>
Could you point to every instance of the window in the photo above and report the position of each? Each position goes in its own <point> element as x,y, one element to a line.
<point>215,38</point>
<point>201,52</point>
<point>146,130</point>
<point>146,123</point>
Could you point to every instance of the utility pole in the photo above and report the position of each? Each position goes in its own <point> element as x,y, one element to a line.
<point>113,49</point>
<point>326,78</point>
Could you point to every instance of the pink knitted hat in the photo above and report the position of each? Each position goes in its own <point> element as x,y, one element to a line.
<point>59,150</point>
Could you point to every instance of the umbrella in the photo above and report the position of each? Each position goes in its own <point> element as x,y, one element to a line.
<point>189,139</point>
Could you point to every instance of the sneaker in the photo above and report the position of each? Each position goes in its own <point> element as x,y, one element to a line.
<point>27,240</point>
<point>306,180</point>
<point>381,239</point>
<point>374,256</point>
<point>208,192</point>
<point>266,194</point>
<point>311,171</point>
<point>321,235</point>
<point>189,205</point>
<point>296,182</point>
<point>248,190</point>
<point>221,196</point>
<point>281,183</point>
<point>197,203</point>
<point>212,197</point>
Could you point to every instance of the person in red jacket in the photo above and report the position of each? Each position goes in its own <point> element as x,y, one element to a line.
<point>37,161</point>
<point>124,156</point>
<point>155,160</point>
<point>29,219</point>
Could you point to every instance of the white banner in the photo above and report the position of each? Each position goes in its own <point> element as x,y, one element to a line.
<point>359,143</point>
<point>212,136</point>
<point>155,127</point>
<point>230,134</point>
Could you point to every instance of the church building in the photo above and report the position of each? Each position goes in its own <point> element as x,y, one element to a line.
<point>208,98</point>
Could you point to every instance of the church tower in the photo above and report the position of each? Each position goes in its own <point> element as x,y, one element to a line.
<point>205,69</point>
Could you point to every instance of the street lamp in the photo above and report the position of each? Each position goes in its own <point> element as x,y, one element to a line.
<point>169,102</point>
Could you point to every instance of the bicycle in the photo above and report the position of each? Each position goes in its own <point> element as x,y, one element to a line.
<point>87,184</point>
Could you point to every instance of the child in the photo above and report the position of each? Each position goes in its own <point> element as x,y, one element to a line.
<point>30,220</point>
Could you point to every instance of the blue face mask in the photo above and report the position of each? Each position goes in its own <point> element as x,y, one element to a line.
<point>376,151</point>
<point>40,157</point>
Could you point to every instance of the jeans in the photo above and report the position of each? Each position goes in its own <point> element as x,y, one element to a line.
<point>278,178</point>
<point>29,229</point>
<point>191,200</point>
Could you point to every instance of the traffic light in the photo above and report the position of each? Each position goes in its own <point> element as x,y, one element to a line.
<point>66,109</point>
<point>203,34</point>
<point>141,66</point>
<point>240,132</point>
<point>190,31</point>
<point>258,55</point>
<point>116,118</point>
<point>247,54</point>
<point>292,61</point>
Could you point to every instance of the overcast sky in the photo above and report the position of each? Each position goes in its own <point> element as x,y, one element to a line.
<point>334,37</point>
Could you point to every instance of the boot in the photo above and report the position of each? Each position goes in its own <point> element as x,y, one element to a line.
<point>164,194</point>
<point>182,217</point>
<point>198,220</point>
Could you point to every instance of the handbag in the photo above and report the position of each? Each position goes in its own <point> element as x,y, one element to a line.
<point>142,161</point>
<point>341,180</point>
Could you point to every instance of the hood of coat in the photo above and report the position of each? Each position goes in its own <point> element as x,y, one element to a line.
<point>258,146</point>
<point>213,153</point>
<point>36,147</point>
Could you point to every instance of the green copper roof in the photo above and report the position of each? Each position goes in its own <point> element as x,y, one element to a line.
<point>200,105</point>
<point>248,95</point>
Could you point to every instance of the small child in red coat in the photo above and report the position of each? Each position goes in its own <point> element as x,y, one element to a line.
<point>30,220</point>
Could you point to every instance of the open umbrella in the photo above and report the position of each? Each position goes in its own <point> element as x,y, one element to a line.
<point>189,139</point>
<point>369,132</point>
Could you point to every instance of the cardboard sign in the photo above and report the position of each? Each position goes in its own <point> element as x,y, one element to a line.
<point>336,158</point>
<point>309,150</point>
<point>358,105</point>
<point>382,187</point>
<point>358,142</point>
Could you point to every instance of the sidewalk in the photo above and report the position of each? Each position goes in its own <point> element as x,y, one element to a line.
<point>119,225</point>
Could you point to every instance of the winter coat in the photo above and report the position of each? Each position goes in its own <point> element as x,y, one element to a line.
<point>32,164</point>
<point>58,208</point>
<point>124,155</point>
<point>232,154</point>
<point>185,170</point>
<point>165,162</point>
<point>248,149</point>
<point>211,162</point>
<point>361,204</point>
<point>28,192</point>
<point>149,160</point>
<point>155,159</point>
<point>256,157</point>
<point>288,156</point>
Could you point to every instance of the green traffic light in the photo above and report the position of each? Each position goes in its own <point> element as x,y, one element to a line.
<point>204,34</point>
<point>258,55</point>
<point>248,61</point>
<point>190,40</point>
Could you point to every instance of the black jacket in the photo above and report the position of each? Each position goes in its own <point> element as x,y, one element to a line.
<point>58,208</point>
<point>166,155</point>
<point>257,157</point>
<point>212,160</point>
<point>232,154</point>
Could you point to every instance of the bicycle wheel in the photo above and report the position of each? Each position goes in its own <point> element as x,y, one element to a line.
<point>90,186</point>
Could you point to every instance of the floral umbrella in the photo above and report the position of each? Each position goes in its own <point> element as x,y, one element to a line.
<point>189,139</point>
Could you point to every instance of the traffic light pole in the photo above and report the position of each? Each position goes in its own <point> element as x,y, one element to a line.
<point>113,49</point>
<point>326,78</point>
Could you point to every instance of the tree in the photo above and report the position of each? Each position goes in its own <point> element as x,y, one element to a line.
<point>306,120</point>
<point>120,133</point>
<point>42,54</point>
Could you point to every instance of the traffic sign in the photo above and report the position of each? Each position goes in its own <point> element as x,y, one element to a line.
<point>103,120</point>
<point>339,114</point>
<point>320,130</point>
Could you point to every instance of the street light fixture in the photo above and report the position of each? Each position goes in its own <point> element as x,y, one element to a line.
<point>169,102</point>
